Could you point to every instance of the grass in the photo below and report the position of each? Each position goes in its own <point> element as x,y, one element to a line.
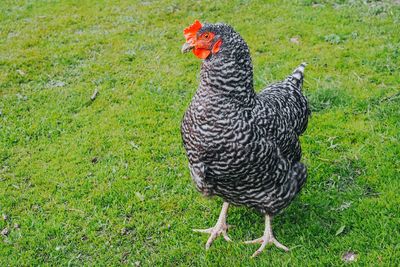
<point>106,182</point>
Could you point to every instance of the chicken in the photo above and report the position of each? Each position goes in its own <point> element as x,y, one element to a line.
<point>242,146</point>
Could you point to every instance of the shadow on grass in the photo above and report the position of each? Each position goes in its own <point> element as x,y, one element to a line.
<point>314,217</point>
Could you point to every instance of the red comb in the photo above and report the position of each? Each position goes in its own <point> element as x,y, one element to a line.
<point>190,32</point>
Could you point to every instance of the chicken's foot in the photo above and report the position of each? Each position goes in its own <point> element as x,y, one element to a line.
<point>267,238</point>
<point>220,227</point>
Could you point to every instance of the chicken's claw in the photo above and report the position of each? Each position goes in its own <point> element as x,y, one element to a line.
<point>264,241</point>
<point>267,238</point>
<point>218,229</point>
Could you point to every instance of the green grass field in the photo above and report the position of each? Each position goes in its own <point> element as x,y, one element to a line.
<point>106,182</point>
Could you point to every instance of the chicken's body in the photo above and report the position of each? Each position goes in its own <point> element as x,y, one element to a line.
<point>243,146</point>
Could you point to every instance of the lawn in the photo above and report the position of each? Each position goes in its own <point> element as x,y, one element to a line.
<point>105,182</point>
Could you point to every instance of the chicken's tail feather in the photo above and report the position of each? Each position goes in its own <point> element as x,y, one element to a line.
<point>297,76</point>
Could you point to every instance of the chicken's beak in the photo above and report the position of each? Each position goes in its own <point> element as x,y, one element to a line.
<point>187,47</point>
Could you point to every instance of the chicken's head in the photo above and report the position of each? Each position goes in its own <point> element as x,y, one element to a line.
<point>203,41</point>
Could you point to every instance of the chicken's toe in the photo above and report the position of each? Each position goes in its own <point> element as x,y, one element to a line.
<point>217,230</point>
<point>266,239</point>
<point>220,228</point>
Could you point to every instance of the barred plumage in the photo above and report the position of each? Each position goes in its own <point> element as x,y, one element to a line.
<point>243,146</point>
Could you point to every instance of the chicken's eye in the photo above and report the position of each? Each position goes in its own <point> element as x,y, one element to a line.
<point>206,35</point>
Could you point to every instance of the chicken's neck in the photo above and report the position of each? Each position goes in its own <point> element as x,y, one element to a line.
<point>230,78</point>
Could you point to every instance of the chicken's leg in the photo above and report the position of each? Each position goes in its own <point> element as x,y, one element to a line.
<point>220,227</point>
<point>267,238</point>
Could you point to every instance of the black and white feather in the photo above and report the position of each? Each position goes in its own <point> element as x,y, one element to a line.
<point>243,146</point>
